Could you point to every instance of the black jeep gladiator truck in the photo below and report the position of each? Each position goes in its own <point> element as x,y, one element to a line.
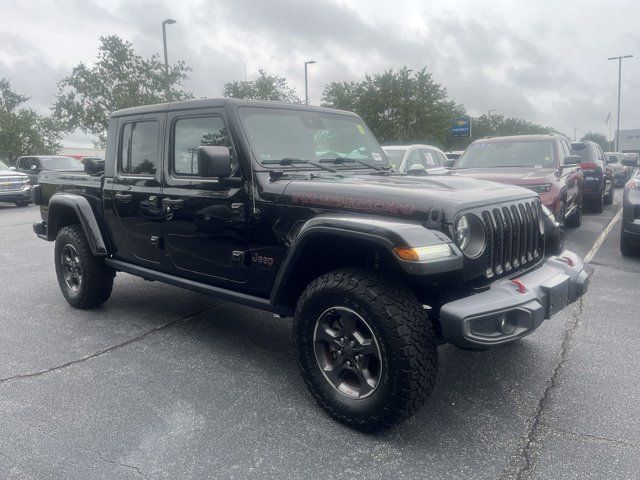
<point>294,210</point>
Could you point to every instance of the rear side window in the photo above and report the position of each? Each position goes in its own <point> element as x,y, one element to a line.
<point>191,133</point>
<point>139,148</point>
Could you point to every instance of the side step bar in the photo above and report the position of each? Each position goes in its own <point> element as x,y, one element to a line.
<point>221,293</point>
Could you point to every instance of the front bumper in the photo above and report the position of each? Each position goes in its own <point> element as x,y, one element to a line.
<point>506,312</point>
<point>16,196</point>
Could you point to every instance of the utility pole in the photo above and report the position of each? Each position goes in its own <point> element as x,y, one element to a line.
<point>167,87</point>
<point>575,129</point>
<point>245,71</point>
<point>619,83</point>
<point>306,85</point>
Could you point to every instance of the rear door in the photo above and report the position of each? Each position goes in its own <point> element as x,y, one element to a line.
<point>204,218</point>
<point>135,193</point>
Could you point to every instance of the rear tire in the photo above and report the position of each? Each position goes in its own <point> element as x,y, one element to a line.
<point>84,279</point>
<point>22,204</point>
<point>598,204</point>
<point>608,198</point>
<point>348,311</point>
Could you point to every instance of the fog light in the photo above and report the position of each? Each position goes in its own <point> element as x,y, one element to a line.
<point>506,327</point>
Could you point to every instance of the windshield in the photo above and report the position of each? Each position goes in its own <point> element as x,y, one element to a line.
<point>276,134</point>
<point>60,163</point>
<point>395,156</point>
<point>3,166</point>
<point>534,154</point>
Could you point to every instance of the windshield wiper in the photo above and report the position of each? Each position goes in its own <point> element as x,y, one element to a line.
<point>292,161</point>
<point>343,160</point>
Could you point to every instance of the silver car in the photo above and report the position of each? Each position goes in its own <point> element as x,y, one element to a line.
<point>415,159</point>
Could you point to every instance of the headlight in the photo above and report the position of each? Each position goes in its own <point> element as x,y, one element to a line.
<point>543,188</point>
<point>463,235</point>
<point>470,235</point>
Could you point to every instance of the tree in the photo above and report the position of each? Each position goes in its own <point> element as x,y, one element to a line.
<point>265,87</point>
<point>398,107</point>
<point>599,138</point>
<point>499,125</point>
<point>22,130</point>
<point>119,79</point>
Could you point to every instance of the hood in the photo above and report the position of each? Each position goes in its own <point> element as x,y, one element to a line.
<point>11,173</point>
<point>399,195</point>
<point>510,175</point>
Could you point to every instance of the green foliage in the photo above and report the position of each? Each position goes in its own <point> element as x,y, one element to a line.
<point>22,130</point>
<point>599,138</point>
<point>265,87</point>
<point>398,107</point>
<point>499,125</point>
<point>119,79</point>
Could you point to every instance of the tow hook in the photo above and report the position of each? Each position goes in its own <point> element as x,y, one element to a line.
<point>518,283</point>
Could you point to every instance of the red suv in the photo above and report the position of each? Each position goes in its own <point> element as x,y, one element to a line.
<point>542,163</point>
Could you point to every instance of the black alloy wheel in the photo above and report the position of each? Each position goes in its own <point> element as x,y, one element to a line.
<point>347,352</point>
<point>71,268</point>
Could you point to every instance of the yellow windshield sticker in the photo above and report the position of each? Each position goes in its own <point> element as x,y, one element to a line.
<point>360,128</point>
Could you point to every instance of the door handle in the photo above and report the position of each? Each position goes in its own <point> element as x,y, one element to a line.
<point>123,197</point>
<point>172,202</point>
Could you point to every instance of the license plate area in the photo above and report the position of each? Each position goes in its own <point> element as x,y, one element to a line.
<point>557,290</point>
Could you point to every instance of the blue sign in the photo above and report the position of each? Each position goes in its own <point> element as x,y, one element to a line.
<point>461,127</point>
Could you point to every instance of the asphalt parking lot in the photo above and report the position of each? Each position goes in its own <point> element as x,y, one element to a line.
<point>164,383</point>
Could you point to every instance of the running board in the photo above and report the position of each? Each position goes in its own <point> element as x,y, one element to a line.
<point>221,293</point>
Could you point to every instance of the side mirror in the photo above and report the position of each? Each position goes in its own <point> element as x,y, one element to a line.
<point>13,169</point>
<point>630,162</point>
<point>449,163</point>
<point>214,161</point>
<point>34,168</point>
<point>572,160</point>
<point>417,169</point>
<point>93,167</point>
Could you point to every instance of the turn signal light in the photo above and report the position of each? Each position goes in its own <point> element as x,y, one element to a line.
<point>419,254</point>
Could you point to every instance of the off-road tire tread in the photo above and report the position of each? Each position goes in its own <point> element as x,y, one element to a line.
<point>575,220</point>
<point>97,278</point>
<point>410,333</point>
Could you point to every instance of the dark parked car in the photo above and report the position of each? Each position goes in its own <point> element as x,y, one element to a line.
<point>294,210</point>
<point>621,172</point>
<point>598,176</point>
<point>14,187</point>
<point>630,230</point>
<point>542,163</point>
<point>34,164</point>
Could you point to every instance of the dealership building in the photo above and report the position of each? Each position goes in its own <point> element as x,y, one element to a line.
<point>629,140</point>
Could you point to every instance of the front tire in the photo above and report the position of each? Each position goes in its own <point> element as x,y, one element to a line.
<point>626,248</point>
<point>22,204</point>
<point>575,220</point>
<point>365,348</point>
<point>84,279</point>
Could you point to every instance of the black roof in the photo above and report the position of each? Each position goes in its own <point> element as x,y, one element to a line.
<point>220,102</point>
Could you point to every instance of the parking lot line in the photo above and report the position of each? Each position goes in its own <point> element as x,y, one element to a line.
<point>603,236</point>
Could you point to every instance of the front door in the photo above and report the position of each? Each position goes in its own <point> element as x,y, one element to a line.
<point>135,192</point>
<point>204,218</point>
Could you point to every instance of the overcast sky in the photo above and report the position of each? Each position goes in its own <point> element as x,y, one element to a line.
<point>545,60</point>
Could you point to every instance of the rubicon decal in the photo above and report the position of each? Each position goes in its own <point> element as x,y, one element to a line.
<point>364,204</point>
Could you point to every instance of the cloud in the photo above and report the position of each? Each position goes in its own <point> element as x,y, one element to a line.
<point>524,61</point>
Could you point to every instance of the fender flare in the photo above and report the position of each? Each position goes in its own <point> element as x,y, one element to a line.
<point>86,216</point>
<point>383,232</point>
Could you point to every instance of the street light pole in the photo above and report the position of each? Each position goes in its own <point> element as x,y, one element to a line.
<point>169,21</point>
<point>619,83</point>
<point>306,85</point>
<point>575,129</point>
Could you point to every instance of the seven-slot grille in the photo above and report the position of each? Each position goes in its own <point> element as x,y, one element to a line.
<point>514,239</point>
